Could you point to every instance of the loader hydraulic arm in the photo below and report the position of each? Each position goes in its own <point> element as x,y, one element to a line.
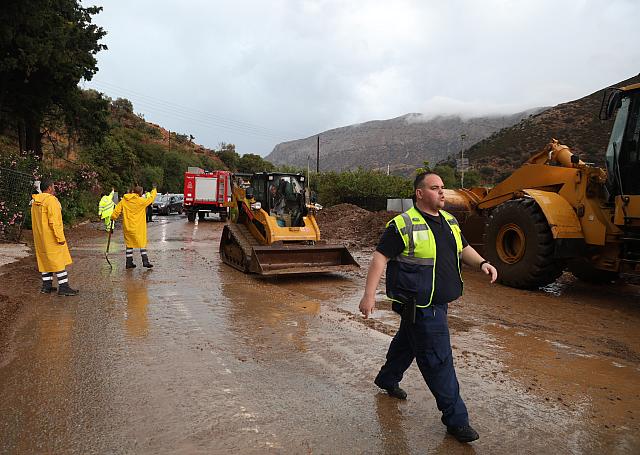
<point>554,152</point>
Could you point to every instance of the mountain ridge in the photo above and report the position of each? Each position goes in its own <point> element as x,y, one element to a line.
<point>574,123</point>
<point>401,143</point>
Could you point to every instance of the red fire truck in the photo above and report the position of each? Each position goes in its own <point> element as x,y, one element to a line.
<point>206,192</point>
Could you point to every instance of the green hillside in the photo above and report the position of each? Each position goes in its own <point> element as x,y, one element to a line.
<point>125,150</point>
<point>575,124</point>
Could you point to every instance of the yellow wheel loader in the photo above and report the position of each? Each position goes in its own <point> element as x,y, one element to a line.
<point>273,230</point>
<point>557,212</point>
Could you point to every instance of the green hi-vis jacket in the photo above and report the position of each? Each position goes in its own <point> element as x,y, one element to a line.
<point>106,206</point>
<point>412,273</point>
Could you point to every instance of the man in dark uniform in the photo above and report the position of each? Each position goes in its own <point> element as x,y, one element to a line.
<point>422,249</point>
<point>276,200</point>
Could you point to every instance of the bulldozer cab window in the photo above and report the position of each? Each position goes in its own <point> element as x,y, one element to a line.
<point>284,199</point>
<point>259,191</point>
<point>623,152</point>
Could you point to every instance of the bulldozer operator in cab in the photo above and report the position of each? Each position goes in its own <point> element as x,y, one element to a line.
<point>276,201</point>
<point>422,250</point>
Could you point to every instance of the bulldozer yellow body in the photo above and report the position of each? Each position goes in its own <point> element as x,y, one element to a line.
<point>273,230</point>
<point>556,212</point>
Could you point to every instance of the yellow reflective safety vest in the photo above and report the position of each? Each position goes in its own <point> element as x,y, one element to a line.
<point>106,206</point>
<point>411,274</point>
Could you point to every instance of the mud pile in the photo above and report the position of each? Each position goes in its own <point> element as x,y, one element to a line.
<point>352,226</point>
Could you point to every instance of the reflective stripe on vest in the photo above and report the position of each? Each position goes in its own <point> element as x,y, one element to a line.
<point>420,245</point>
<point>106,204</point>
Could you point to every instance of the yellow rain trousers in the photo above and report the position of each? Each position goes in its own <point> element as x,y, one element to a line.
<point>48,233</point>
<point>134,220</point>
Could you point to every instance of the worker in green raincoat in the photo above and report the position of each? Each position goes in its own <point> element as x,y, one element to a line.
<point>105,209</point>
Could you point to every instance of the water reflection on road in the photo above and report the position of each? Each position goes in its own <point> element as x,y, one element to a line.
<point>136,317</point>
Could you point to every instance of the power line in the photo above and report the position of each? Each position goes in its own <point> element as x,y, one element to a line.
<point>178,106</point>
<point>186,113</point>
<point>203,121</point>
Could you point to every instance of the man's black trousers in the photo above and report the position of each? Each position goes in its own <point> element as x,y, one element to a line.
<point>427,340</point>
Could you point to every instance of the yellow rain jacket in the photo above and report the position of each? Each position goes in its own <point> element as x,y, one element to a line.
<point>48,233</point>
<point>134,219</point>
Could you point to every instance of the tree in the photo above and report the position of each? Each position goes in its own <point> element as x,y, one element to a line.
<point>471,179</point>
<point>228,155</point>
<point>448,175</point>
<point>46,48</point>
<point>251,163</point>
<point>122,105</point>
<point>426,167</point>
<point>86,115</point>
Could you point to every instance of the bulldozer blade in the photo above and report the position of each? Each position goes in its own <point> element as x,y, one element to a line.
<point>301,259</point>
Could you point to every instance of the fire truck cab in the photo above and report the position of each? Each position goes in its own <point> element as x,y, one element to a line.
<point>206,192</point>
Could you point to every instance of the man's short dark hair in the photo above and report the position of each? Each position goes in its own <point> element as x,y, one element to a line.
<point>419,180</point>
<point>45,183</point>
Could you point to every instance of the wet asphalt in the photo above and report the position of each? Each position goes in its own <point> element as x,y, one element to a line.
<point>193,356</point>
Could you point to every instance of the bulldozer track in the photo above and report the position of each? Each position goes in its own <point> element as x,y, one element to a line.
<point>243,231</point>
<point>242,238</point>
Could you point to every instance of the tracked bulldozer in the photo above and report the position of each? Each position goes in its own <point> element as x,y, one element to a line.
<point>273,229</point>
<point>556,212</point>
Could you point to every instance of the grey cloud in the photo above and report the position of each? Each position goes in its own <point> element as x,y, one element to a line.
<point>267,72</point>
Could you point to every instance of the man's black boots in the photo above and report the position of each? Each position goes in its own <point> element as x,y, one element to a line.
<point>65,289</point>
<point>130,264</point>
<point>464,433</point>
<point>395,391</point>
<point>145,262</point>
<point>47,287</point>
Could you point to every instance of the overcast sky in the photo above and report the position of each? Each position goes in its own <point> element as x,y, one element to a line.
<point>256,73</point>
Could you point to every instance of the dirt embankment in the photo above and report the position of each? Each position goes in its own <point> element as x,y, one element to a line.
<point>352,226</point>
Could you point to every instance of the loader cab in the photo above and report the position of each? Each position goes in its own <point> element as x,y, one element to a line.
<point>623,152</point>
<point>281,196</point>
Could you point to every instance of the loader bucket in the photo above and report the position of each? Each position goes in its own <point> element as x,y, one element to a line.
<point>301,259</point>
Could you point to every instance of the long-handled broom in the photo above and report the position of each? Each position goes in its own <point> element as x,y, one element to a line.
<point>106,253</point>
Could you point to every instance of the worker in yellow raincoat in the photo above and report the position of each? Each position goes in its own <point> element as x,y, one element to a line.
<point>133,208</point>
<point>48,237</point>
<point>105,209</point>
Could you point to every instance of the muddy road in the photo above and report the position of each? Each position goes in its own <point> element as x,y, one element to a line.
<point>194,357</point>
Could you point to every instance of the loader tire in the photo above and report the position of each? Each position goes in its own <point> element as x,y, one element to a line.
<point>519,243</point>
<point>583,270</point>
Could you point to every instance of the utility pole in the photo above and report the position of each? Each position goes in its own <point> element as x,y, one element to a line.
<point>462,163</point>
<point>318,156</point>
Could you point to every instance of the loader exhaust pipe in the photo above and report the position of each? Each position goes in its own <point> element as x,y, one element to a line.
<point>462,204</point>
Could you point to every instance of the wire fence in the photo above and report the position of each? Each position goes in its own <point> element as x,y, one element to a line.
<point>15,193</point>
